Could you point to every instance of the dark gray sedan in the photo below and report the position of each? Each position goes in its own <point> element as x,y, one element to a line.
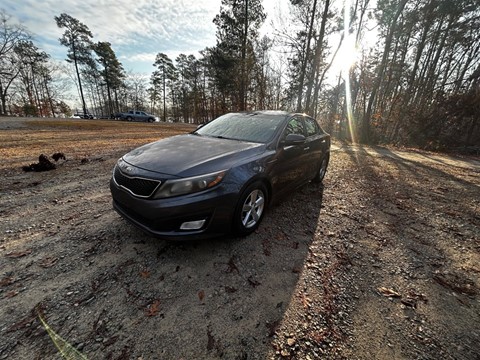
<point>221,177</point>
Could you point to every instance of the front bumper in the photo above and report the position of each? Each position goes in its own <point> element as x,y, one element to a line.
<point>162,218</point>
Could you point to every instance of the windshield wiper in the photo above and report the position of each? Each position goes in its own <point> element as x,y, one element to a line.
<point>221,137</point>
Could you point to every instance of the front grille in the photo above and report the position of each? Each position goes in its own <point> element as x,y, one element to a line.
<point>137,186</point>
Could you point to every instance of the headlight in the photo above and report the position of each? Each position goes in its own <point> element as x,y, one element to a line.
<point>188,185</point>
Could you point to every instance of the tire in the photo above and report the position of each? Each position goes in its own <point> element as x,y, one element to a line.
<point>150,120</point>
<point>250,208</point>
<point>322,169</point>
<point>129,118</point>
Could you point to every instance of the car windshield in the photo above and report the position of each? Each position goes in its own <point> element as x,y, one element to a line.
<point>252,127</point>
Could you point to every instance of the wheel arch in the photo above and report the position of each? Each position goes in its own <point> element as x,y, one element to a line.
<point>264,180</point>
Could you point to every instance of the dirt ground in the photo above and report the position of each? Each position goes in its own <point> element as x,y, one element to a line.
<point>382,262</point>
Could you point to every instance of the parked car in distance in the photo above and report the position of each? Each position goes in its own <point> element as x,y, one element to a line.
<point>221,177</point>
<point>135,115</point>
<point>83,115</point>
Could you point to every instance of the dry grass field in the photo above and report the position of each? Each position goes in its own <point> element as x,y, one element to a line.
<point>26,140</point>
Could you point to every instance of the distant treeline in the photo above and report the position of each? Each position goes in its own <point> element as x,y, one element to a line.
<point>417,83</point>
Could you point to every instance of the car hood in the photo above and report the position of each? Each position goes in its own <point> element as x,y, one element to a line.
<point>190,155</point>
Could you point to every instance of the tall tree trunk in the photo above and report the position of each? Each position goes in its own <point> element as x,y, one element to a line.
<point>109,94</point>
<point>117,107</point>
<point>36,95</point>
<point>394,86</point>
<point>471,56</point>
<point>3,99</point>
<point>50,100</point>
<point>418,56</point>
<point>305,60</point>
<point>423,76</point>
<point>320,79</point>
<point>79,80</point>
<point>3,91</point>
<point>380,72</point>
<point>315,73</point>
<point>428,89</point>
<point>164,95</point>
<point>360,21</point>
<point>243,82</point>
<point>351,73</point>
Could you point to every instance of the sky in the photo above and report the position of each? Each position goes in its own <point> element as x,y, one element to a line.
<point>136,29</point>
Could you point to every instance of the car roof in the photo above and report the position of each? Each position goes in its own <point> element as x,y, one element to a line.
<point>268,112</point>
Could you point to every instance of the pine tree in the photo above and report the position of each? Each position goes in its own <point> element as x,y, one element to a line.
<point>77,38</point>
<point>113,73</point>
<point>233,58</point>
<point>164,73</point>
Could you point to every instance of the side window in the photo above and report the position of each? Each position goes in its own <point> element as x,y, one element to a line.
<point>311,126</point>
<point>294,126</point>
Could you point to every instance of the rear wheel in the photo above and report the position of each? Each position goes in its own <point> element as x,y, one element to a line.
<point>250,208</point>
<point>322,170</point>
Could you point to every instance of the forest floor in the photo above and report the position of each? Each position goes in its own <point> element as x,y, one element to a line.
<point>382,262</point>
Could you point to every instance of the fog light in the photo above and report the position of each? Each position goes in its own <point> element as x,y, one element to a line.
<point>192,225</point>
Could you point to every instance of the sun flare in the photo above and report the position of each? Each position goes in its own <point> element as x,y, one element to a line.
<point>348,55</point>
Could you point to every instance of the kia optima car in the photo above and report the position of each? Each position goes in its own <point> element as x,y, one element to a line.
<point>220,178</point>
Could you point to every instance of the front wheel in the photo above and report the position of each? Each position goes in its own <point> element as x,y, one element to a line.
<point>322,170</point>
<point>250,208</point>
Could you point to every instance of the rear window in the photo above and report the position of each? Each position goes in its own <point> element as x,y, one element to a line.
<point>250,127</point>
<point>311,126</point>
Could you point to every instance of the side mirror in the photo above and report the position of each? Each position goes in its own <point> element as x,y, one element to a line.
<point>294,139</point>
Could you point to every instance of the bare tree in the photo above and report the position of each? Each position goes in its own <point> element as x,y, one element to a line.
<point>10,37</point>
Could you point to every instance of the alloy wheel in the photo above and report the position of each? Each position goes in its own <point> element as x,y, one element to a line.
<point>252,209</point>
<point>323,169</point>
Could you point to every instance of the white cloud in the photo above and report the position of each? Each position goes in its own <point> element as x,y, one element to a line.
<point>135,28</point>
<point>141,57</point>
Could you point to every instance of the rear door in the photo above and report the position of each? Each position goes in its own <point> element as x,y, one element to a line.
<point>315,145</point>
